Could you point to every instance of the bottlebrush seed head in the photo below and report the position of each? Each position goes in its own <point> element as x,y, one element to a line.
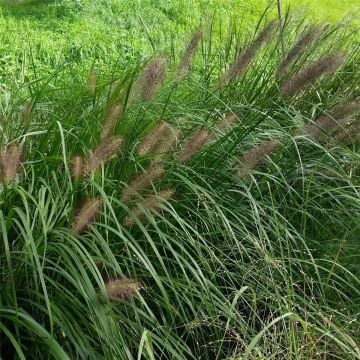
<point>256,156</point>
<point>150,203</point>
<point>122,288</point>
<point>107,149</point>
<point>326,65</point>
<point>85,215</point>
<point>10,162</point>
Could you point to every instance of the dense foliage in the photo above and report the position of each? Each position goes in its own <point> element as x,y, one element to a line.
<point>199,204</point>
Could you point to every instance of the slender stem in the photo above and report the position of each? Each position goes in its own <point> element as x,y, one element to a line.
<point>280,25</point>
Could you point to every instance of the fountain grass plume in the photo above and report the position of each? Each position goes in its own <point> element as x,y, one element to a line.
<point>107,149</point>
<point>326,65</point>
<point>160,139</point>
<point>244,59</point>
<point>122,288</point>
<point>77,166</point>
<point>85,215</point>
<point>142,181</point>
<point>339,116</point>
<point>194,144</point>
<point>112,116</point>
<point>188,55</point>
<point>256,156</point>
<point>303,42</point>
<point>10,161</point>
<point>151,203</point>
<point>151,78</point>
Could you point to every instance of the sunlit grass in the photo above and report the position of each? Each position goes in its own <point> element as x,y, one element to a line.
<point>222,259</point>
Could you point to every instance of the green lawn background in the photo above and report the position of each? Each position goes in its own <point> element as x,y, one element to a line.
<point>38,37</point>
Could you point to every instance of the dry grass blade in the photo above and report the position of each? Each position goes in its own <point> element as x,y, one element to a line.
<point>86,214</point>
<point>328,64</point>
<point>150,203</point>
<point>122,288</point>
<point>242,62</point>
<point>256,156</point>
<point>10,162</point>
<point>102,153</point>
<point>143,181</point>
<point>188,55</point>
<point>151,77</point>
<point>194,144</point>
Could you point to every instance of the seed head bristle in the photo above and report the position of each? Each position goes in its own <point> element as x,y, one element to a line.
<point>326,65</point>
<point>194,144</point>
<point>227,122</point>
<point>340,116</point>
<point>26,112</point>
<point>256,156</point>
<point>102,153</point>
<point>150,203</point>
<point>242,62</point>
<point>349,134</point>
<point>160,139</point>
<point>150,78</point>
<point>304,41</point>
<point>86,214</point>
<point>77,166</point>
<point>188,55</point>
<point>113,114</point>
<point>10,162</point>
<point>165,144</point>
<point>122,288</point>
<point>143,181</point>
<point>92,82</point>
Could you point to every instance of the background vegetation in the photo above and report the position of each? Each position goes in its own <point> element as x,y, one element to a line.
<point>262,266</point>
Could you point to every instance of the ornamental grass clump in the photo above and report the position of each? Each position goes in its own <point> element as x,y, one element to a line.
<point>234,269</point>
<point>10,162</point>
<point>85,214</point>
